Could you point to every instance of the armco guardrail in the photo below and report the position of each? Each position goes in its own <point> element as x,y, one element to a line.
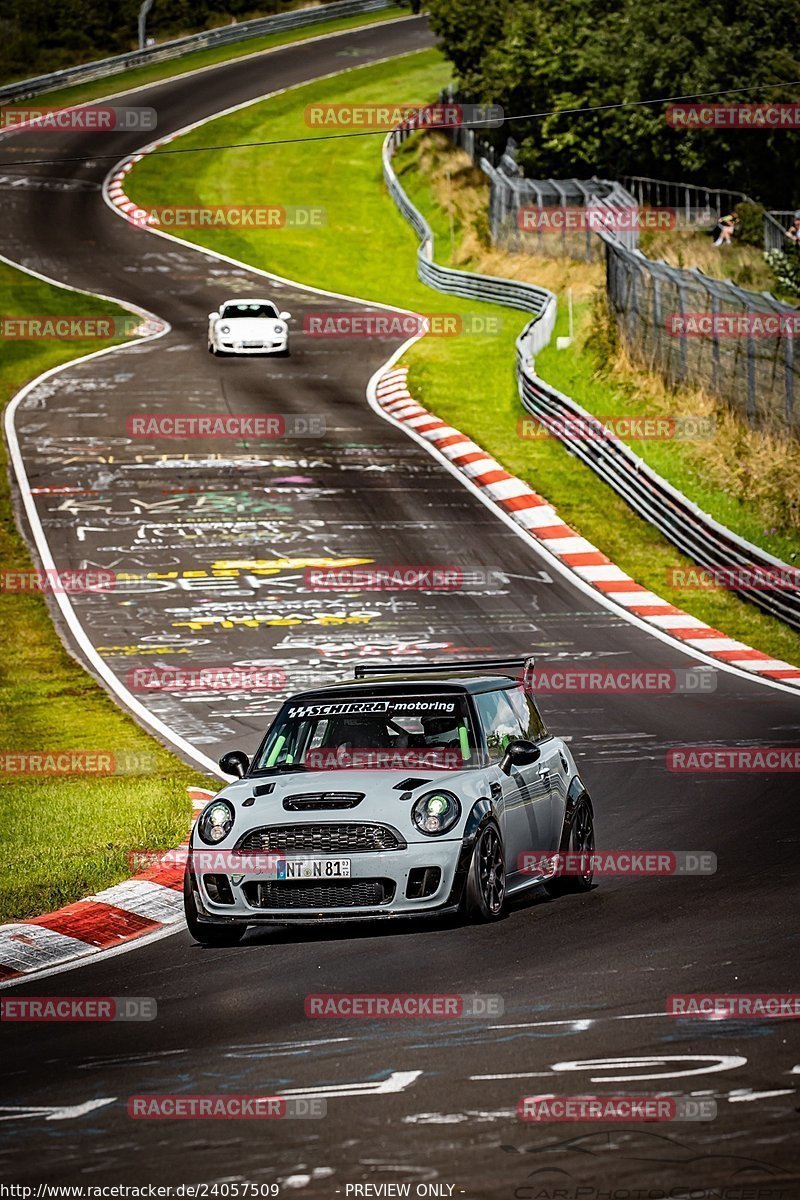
<point>686,526</point>
<point>489,288</point>
<point>223,36</point>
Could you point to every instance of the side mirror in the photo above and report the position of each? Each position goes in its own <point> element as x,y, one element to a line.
<point>284,316</point>
<point>235,762</point>
<point>213,316</point>
<point>519,753</point>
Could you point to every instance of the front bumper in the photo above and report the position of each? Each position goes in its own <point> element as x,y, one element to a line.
<point>393,869</point>
<point>273,346</point>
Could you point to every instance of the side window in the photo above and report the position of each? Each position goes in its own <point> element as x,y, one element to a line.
<point>501,724</point>
<point>528,715</point>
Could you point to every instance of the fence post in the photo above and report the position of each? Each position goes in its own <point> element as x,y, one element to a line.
<point>682,341</point>
<point>788,346</point>
<point>632,301</point>
<point>715,357</point>
<point>751,376</point>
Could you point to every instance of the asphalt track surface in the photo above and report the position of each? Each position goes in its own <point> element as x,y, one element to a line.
<point>583,978</point>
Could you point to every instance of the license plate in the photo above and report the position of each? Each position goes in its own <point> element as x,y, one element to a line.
<point>314,868</point>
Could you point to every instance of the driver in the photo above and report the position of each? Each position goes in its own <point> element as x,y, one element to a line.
<point>440,731</point>
<point>364,733</point>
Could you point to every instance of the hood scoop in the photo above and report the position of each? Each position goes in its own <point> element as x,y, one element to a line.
<point>408,785</point>
<point>263,789</point>
<point>320,801</point>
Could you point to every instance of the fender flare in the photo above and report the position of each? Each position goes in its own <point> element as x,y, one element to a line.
<point>576,792</point>
<point>481,814</point>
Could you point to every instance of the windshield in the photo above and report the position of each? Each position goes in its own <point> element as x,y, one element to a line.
<point>387,733</point>
<point>243,308</point>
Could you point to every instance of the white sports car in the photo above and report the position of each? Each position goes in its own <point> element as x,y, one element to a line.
<point>248,327</point>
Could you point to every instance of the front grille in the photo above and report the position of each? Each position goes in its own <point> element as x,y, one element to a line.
<point>322,839</point>
<point>345,893</point>
<point>315,801</point>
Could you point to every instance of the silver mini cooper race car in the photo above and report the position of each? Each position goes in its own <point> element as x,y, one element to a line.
<point>407,791</point>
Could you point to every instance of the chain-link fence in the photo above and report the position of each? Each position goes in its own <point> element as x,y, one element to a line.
<point>690,327</point>
<point>706,332</point>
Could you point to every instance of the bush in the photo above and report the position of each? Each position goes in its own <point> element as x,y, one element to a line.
<point>786,265</point>
<point>751,223</point>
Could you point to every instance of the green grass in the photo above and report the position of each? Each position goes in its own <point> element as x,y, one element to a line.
<point>139,76</point>
<point>367,249</point>
<point>65,836</point>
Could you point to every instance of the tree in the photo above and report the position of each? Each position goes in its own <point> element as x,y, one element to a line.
<point>533,57</point>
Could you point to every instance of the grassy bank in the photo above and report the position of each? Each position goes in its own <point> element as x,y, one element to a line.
<point>366,248</point>
<point>65,836</point>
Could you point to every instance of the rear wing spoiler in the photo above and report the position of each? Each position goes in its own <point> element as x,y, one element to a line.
<point>513,667</point>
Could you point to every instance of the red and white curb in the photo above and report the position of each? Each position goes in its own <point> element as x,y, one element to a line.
<point>148,903</point>
<point>116,193</point>
<point>544,526</point>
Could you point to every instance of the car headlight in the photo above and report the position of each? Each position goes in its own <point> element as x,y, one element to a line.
<point>215,822</point>
<point>435,813</point>
<point>224,328</point>
<point>279,328</point>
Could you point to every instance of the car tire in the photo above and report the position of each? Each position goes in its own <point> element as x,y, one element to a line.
<point>580,840</point>
<point>207,935</point>
<point>283,353</point>
<point>484,896</point>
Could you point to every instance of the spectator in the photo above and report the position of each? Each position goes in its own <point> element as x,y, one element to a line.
<point>726,228</point>
<point>793,232</point>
